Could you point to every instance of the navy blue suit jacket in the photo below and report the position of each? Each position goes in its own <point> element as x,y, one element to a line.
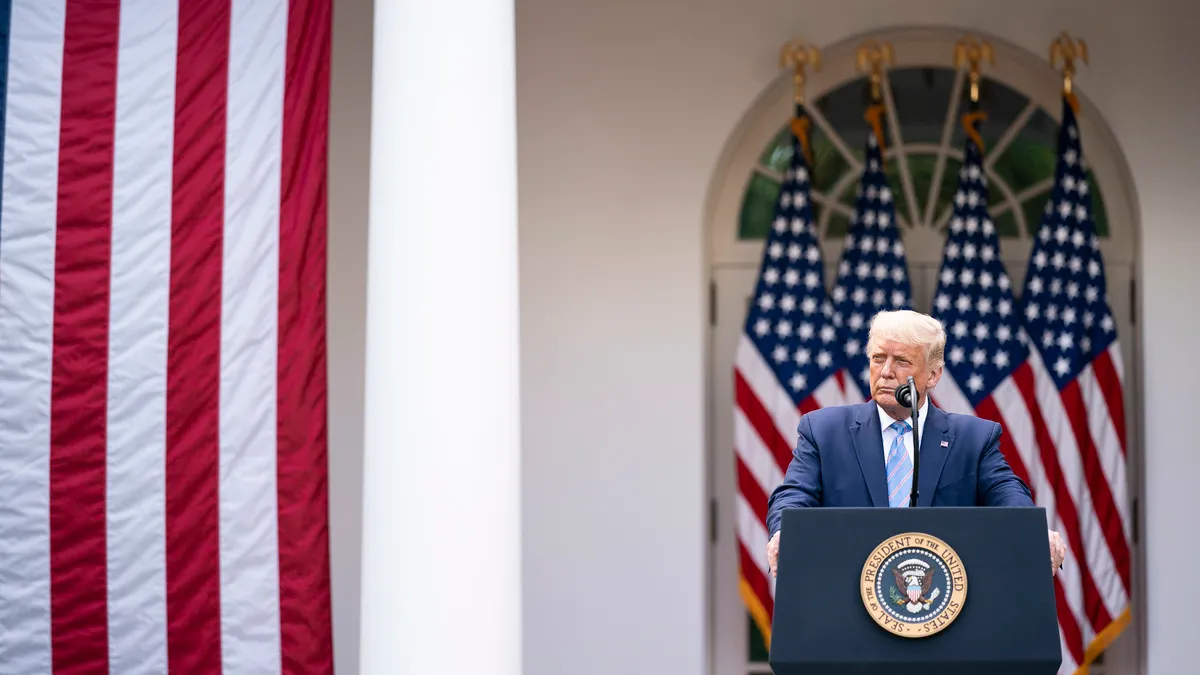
<point>838,461</point>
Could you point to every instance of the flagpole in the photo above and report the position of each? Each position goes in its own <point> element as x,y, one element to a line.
<point>1066,49</point>
<point>872,56</point>
<point>797,56</point>
<point>970,52</point>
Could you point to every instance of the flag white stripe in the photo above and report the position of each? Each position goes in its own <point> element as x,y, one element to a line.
<point>755,455</point>
<point>1114,354</point>
<point>27,240</point>
<point>828,393</point>
<point>1108,444</point>
<point>1104,437</point>
<point>137,367</point>
<point>1018,421</point>
<point>1098,556</point>
<point>854,394</point>
<point>753,534</point>
<point>761,379</point>
<point>948,396</point>
<point>250,630</point>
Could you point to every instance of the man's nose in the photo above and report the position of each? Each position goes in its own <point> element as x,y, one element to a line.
<point>886,371</point>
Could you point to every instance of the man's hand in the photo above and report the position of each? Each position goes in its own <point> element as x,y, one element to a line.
<point>773,554</point>
<point>1058,551</point>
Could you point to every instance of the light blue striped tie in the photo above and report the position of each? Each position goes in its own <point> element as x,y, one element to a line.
<point>899,468</point>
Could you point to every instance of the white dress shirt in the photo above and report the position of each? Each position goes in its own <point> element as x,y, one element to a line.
<point>889,435</point>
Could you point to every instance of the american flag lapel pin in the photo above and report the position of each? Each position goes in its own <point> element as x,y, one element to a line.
<point>945,444</point>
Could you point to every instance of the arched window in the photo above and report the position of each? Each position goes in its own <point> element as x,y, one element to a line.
<point>924,95</point>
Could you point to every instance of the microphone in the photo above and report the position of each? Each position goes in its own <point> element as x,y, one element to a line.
<point>906,395</point>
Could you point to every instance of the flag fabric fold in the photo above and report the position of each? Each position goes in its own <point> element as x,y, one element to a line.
<point>163,416</point>
<point>873,270</point>
<point>1079,387</point>
<point>785,366</point>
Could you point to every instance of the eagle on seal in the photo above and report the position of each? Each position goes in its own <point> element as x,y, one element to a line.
<point>916,592</point>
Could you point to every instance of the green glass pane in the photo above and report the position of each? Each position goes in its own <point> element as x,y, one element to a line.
<point>948,187</point>
<point>947,190</point>
<point>1030,158</point>
<point>921,167</point>
<point>758,207</point>
<point>828,163</point>
<point>1034,210</point>
<point>1006,225</point>
<point>758,646</point>
<point>778,154</point>
<point>845,109</point>
<point>838,225</point>
<point>921,96</point>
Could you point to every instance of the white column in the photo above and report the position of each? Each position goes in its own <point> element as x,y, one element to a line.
<point>441,492</point>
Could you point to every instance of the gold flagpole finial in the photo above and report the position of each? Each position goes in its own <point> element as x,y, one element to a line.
<point>796,57</point>
<point>1067,50</point>
<point>871,57</point>
<point>970,52</point>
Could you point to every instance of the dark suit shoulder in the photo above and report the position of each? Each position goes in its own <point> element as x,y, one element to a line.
<point>969,423</point>
<point>837,415</point>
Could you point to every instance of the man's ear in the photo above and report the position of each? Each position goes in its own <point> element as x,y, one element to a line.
<point>935,376</point>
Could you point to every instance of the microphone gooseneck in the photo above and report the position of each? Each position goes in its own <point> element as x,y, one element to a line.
<point>906,395</point>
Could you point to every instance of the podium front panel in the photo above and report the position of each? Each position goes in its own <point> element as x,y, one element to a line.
<point>997,614</point>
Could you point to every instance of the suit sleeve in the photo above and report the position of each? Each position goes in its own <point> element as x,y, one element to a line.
<point>801,486</point>
<point>998,485</point>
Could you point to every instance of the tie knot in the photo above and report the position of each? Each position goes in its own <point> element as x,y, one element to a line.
<point>901,427</point>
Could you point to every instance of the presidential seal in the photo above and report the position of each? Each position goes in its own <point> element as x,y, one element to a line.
<point>913,585</point>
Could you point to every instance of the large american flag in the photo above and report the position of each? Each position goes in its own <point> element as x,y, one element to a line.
<point>786,365</point>
<point>1064,423</point>
<point>873,270</point>
<point>162,353</point>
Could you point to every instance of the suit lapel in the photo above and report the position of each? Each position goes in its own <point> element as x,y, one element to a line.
<point>867,436</point>
<point>936,444</point>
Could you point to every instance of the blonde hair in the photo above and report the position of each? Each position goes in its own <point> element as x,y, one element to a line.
<point>911,328</point>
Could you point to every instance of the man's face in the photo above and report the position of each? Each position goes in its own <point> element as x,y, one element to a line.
<point>891,365</point>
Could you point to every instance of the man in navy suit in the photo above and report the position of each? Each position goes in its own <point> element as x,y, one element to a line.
<point>862,455</point>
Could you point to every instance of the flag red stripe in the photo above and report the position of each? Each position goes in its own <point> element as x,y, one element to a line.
<point>194,339</point>
<point>988,410</point>
<point>79,380</point>
<point>306,638</point>
<point>1110,384</point>
<point>756,579</point>
<point>1066,621</point>
<point>1097,483</point>
<point>1064,506</point>
<point>751,491</point>
<point>762,422</point>
<point>808,405</point>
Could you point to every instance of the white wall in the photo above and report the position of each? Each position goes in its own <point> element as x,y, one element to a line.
<point>624,107</point>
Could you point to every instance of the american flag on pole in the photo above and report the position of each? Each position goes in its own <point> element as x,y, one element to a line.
<point>785,365</point>
<point>1064,425</point>
<point>873,270</point>
<point>162,350</point>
